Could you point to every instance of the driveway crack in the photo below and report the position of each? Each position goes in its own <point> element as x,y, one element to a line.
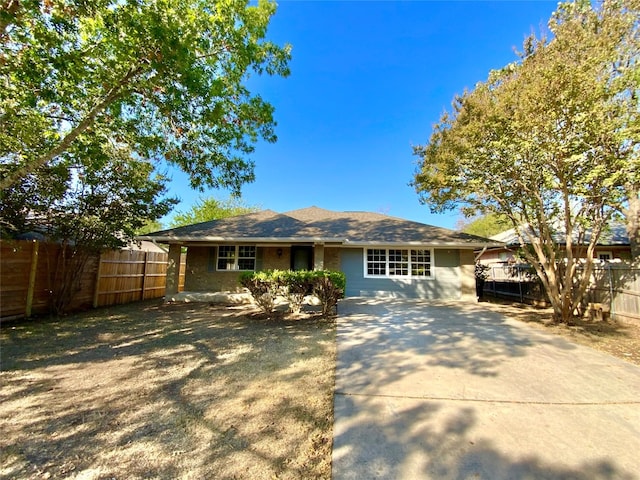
<point>481,400</point>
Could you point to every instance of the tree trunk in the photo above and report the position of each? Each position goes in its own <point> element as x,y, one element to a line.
<point>633,225</point>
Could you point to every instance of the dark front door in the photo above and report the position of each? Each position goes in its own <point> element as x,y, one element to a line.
<point>301,258</point>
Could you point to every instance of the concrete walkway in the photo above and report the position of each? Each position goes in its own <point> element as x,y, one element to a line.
<point>454,391</point>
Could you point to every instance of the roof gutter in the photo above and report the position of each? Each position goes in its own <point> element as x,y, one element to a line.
<point>341,241</point>
<point>198,239</point>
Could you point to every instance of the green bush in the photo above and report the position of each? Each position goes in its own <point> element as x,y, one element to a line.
<point>295,285</point>
<point>265,286</point>
<point>329,287</point>
<point>262,287</point>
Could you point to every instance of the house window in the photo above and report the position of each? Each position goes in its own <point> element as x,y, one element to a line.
<point>234,257</point>
<point>398,262</point>
<point>605,256</point>
<point>420,263</point>
<point>376,261</point>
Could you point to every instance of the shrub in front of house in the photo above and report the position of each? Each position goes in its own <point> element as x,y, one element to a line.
<point>295,286</point>
<point>329,287</point>
<point>265,286</point>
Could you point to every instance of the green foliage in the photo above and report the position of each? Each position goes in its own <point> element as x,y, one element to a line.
<point>329,287</point>
<point>93,205</point>
<point>207,209</point>
<point>487,225</point>
<point>296,285</point>
<point>265,286</point>
<point>481,271</point>
<point>166,79</point>
<point>150,226</point>
<point>86,207</point>
<point>550,142</point>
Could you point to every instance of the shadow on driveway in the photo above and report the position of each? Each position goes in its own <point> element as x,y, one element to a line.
<point>456,391</point>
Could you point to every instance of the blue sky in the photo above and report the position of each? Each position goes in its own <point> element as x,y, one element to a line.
<point>368,80</point>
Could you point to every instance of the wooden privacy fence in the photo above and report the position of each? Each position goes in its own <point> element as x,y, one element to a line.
<point>29,273</point>
<point>128,275</point>
<point>618,286</point>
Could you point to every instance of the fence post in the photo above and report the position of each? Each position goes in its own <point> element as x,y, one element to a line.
<point>32,279</point>
<point>144,275</point>
<point>611,299</point>
<point>96,292</point>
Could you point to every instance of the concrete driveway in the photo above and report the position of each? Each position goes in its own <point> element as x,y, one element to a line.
<point>455,391</point>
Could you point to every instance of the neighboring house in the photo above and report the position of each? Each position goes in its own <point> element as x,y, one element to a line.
<point>380,255</point>
<point>145,246</point>
<point>613,245</point>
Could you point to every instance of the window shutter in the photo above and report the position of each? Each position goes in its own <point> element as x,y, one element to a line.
<point>259,257</point>
<point>212,259</point>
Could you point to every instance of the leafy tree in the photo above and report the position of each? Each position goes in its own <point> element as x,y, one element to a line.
<point>486,225</point>
<point>149,226</point>
<point>549,142</point>
<point>165,78</point>
<point>85,207</point>
<point>207,209</point>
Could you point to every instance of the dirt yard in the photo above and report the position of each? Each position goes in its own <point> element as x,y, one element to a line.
<point>189,391</point>
<point>619,339</point>
<point>167,391</point>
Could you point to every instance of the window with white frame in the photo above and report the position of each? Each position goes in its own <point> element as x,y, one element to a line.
<point>236,257</point>
<point>605,256</point>
<point>398,262</point>
<point>420,263</point>
<point>376,261</point>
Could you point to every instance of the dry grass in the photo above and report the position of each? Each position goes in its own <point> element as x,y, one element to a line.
<point>167,391</point>
<point>619,339</point>
<point>189,391</point>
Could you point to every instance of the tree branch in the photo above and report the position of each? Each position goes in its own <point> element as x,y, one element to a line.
<point>115,92</point>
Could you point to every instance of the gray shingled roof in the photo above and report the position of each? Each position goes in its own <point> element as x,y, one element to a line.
<point>615,235</point>
<point>319,225</point>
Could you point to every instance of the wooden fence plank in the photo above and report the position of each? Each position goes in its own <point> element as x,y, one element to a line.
<point>32,279</point>
<point>118,276</point>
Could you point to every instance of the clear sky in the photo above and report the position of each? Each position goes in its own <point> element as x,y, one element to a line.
<point>368,80</point>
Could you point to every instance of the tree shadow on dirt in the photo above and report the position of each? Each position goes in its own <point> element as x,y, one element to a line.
<point>166,391</point>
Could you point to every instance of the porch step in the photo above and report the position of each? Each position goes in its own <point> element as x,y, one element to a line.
<point>226,298</point>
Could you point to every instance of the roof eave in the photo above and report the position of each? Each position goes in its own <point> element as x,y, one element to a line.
<point>212,239</point>
<point>451,244</point>
<point>355,243</point>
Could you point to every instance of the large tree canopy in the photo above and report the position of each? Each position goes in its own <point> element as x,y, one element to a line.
<point>165,78</point>
<point>549,142</point>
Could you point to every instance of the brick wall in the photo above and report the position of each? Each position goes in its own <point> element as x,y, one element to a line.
<point>271,260</point>
<point>199,278</point>
<point>332,258</point>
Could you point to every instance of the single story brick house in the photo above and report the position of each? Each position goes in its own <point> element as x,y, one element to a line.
<point>380,255</point>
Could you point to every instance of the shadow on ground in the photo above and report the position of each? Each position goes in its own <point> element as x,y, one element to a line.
<point>398,440</point>
<point>421,393</point>
<point>166,391</point>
